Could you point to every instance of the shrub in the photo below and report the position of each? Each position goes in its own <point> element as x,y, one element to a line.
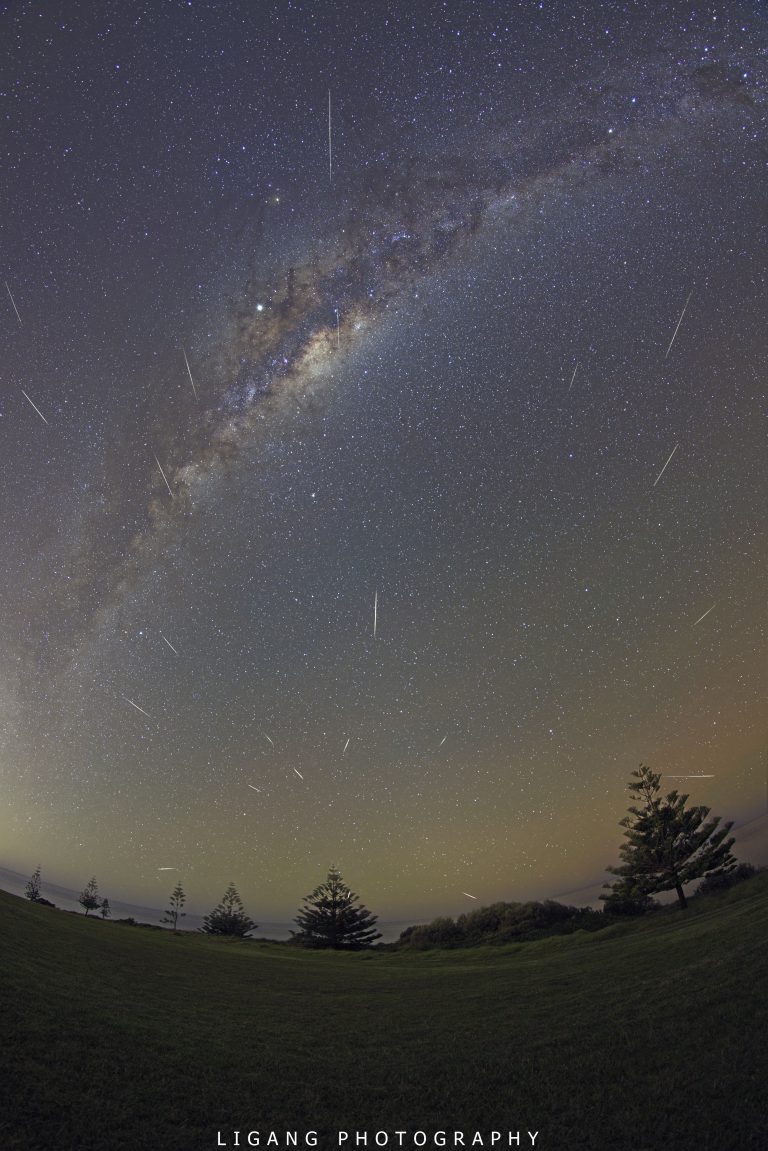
<point>726,879</point>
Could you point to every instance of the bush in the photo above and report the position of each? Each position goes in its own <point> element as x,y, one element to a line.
<point>726,879</point>
<point>503,923</point>
<point>441,932</point>
<point>625,904</point>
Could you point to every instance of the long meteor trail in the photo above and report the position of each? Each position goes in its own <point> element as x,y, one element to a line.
<point>679,322</point>
<point>189,371</point>
<point>34,405</point>
<point>10,293</point>
<point>661,473</point>
<point>141,709</point>
<point>330,154</point>
<point>162,473</point>
<point>706,613</point>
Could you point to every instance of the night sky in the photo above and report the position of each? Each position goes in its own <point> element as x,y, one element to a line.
<point>436,380</point>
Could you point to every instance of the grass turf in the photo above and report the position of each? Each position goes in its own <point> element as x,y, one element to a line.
<point>647,1035</point>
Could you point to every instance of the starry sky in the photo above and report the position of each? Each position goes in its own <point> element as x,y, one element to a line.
<point>335,516</point>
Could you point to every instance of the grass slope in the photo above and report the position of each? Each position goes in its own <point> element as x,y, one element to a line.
<point>645,1036</point>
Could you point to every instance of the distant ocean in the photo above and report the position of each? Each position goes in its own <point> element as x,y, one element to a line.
<point>66,899</point>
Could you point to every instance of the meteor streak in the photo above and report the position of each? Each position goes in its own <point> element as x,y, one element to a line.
<point>141,709</point>
<point>330,155</point>
<point>34,405</point>
<point>470,896</point>
<point>254,788</point>
<point>346,745</point>
<point>440,744</point>
<point>189,370</point>
<point>298,773</point>
<point>267,737</point>
<point>375,612</point>
<point>10,293</point>
<point>679,322</point>
<point>170,645</point>
<point>573,377</point>
<point>167,869</point>
<point>661,473</point>
<point>162,473</point>
<point>706,613</point>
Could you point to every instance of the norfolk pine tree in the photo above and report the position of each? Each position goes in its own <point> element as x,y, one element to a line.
<point>32,890</point>
<point>331,917</point>
<point>668,844</point>
<point>228,918</point>
<point>89,896</point>
<point>174,913</point>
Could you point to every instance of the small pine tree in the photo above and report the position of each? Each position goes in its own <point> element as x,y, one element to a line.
<point>228,918</point>
<point>174,913</point>
<point>89,896</point>
<point>332,917</point>
<point>668,844</point>
<point>32,890</point>
<point>106,911</point>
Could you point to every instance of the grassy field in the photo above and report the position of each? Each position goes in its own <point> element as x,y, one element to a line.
<point>647,1036</point>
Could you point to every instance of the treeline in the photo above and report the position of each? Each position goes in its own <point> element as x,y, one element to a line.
<point>331,915</point>
<point>667,845</point>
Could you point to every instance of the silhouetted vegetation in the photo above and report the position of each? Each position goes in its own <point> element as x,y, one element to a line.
<point>129,921</point>
<point>32,890</point>
<point>667,845</point>
<point>624,899</point>
<point>89,896</point>
<point>106,911</point>
<point>503,923</point>
<point>229,917</point>
<point>333,917</point>
<point>721,882</point>
<point>174,913</point>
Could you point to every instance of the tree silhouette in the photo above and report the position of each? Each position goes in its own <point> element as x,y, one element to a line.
<point>89,896</point>
<point>106,911</point>
<point>32,890</point>
<point>667,844</point>
<point>332,917</point>
<point>228,918</point>
<point>174,913</point>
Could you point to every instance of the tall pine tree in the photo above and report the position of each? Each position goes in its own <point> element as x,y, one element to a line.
<point>228,918</point>
<point>668,844</point>
<point>174,913</point>
<point>332,917</point>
